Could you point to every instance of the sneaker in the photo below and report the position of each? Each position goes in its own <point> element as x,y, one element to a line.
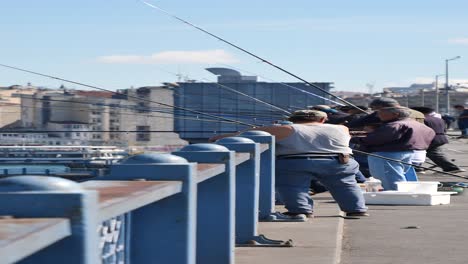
<point>307,215</point>
<point>456,171</point>
<point>357,214</point>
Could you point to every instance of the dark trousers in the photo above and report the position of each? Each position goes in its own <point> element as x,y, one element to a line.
<point>436,154</point>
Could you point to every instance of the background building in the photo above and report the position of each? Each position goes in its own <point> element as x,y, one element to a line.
<point>10,110</point>
<point>91,117</point>
<point>217,99</point>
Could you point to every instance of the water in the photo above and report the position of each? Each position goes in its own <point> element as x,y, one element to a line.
<point>32,169</point>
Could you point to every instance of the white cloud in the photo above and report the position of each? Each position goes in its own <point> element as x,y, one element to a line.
<point>462,41</point>
<point>173,57</point>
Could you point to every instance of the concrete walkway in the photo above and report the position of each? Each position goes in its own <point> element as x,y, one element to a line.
<point>414,234</point>
<point>317,241</point>
<point>392,234</point>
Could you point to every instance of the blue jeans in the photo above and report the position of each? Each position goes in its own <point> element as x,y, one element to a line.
<point>293,178</point>
<point>464,131</point>
<point>390,172</point>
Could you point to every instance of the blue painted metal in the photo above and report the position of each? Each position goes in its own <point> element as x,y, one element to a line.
<point>216,204</point>
<point>162,232</point>
<point>247,187</point>
<point>48,197</point>
<point>247,195</point>
<point>23,237</point>
<point>37,183</point>
<point>112,241</point>
<point>267,173</point>
<point>267,212</point>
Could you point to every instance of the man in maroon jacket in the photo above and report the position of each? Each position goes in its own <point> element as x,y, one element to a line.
<point>396,138</point>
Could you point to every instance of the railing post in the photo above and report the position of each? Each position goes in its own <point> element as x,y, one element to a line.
<point>162,232</point>
<point>267,212</point>
<point>215,204</point>
<point>51,197</point>
<point>247,194</point>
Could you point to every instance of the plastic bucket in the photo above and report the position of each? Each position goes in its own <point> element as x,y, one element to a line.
<point>418,187</point>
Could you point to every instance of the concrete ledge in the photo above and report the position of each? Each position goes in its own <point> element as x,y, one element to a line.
<point>316,241</point>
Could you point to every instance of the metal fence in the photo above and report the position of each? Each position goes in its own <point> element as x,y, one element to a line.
<point>192,206</point>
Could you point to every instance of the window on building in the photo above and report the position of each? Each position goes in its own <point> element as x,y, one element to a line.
<point>141,135</point>
<point>143,107</point>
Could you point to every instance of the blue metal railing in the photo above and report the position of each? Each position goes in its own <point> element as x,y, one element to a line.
<point>192,206</point>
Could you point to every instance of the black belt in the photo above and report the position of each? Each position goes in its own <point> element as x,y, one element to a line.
<point>315,156</point>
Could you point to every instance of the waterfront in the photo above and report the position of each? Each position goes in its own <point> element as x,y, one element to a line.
<point>32,169</point>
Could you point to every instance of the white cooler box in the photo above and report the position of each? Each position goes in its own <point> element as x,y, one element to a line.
<point>407,198</point>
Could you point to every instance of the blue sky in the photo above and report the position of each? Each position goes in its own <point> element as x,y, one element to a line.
<point>122,43</point>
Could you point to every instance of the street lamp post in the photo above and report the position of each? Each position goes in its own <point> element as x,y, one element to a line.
<point>447,81</point>
<point>422,97</point>
<point>437,92</point>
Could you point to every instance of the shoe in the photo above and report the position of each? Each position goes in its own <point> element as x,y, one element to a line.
<point>457,171</point>
<point>357,214</point>
<point>307,215</point>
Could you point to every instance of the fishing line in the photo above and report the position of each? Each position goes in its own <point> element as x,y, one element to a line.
<point>234,99</point>
<point>249,53</point>
<point>410,164</point>
<point>281,69</point>
<point>284,84</point>
<point>120,113</point>
<point>141,99</point>
<point>138,108</point>
<point>234,91</point>
<point>110,131</point>
<point>251,97</point>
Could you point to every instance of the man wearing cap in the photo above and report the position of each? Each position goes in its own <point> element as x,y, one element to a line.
<point>333,116</point>
<point>309,149</point>
<point>397,138</point>
<point>372,120</point>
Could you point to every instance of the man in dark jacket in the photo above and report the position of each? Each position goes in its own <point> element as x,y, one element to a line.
<point>462,120</point>
<point>435,151</point>
<point>396,138</point>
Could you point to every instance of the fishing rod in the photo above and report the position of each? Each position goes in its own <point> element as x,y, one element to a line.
<point>137,108</point>
<point>285,71</point>
<point>406,163</point>
<point>251,97</point>
<point>110,131</point>
<point>216,109</point>
<point>284,84</point>
<point>135,97</point>
<point>176,84</point>
<point>175,116</point>
<point>120,113</point>
<point>235,91</point>
<point>249,53</point>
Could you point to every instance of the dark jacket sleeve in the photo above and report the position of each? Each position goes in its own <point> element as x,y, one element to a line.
<point>383,135</point>
<point>369,119</point>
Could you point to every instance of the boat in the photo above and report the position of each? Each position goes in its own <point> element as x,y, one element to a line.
<point>70,155</point>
